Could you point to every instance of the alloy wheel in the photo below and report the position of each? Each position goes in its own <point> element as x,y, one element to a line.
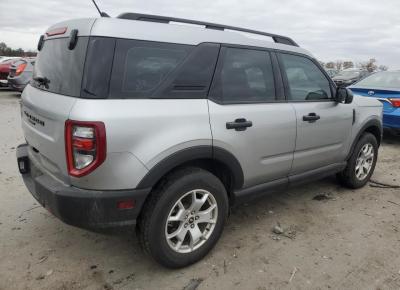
<point>364,161</point>
<point>191,221</point>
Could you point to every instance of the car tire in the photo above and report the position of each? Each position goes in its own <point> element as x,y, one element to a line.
<point>175,207</point>
<point>361,164</point>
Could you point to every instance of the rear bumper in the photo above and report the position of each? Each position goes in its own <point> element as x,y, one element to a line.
<point>80,207</point>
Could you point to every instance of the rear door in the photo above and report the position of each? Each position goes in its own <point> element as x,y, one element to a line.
<point>323,125</point>
<point>249,116</point>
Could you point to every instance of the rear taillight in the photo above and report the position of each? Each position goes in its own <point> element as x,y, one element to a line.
<point>85,146</point>
<point>395,102</point>
<point>20,69</point>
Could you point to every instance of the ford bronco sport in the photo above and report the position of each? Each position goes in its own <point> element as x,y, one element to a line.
<point>146,120</point>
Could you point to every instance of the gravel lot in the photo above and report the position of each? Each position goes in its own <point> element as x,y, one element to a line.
<point>347,240</point>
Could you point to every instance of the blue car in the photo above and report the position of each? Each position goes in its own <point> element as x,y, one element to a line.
<point>385,86</point>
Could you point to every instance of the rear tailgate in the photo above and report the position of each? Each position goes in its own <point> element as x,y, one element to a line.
<point>50,96</point>
<point>43,120</point>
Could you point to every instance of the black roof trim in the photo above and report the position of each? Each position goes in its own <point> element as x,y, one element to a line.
<point>164,19</point>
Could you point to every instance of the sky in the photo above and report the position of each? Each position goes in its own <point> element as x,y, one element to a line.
<point>355,30</point>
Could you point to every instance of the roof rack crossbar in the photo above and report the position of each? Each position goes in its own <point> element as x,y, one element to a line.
<point>164,19</point>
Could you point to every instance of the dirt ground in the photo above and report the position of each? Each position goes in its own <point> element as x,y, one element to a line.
<point>348,240</point>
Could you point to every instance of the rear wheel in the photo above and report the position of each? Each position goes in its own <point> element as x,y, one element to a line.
<point>184,217</point>
<point>362,162</point>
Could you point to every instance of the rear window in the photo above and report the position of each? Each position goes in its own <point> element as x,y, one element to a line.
<point>62,68</point>
<point>388,80</point>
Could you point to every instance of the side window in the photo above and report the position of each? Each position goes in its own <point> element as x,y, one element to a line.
<point>140,67</point>
<point>244,76</point>
<point>193,77</point>
<point>306,81</point>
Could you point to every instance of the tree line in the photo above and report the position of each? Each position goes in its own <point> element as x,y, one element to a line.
<point>8,51</point>
<point>371,65</point>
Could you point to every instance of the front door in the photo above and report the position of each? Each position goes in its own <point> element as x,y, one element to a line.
<point>323,125</point>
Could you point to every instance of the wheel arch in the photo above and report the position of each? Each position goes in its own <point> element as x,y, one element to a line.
<point>218,161</point>
<point>374,127</point>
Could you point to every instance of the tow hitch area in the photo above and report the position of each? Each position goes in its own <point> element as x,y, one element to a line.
<point>22,159</point>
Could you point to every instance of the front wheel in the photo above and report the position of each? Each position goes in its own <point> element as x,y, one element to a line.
<point>184,217</point>
<point>361,164</point>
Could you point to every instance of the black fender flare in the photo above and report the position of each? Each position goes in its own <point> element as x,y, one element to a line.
<point>368,124</point>
<point>183,156</point>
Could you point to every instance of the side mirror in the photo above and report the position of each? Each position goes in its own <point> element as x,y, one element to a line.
<point>344,95</point>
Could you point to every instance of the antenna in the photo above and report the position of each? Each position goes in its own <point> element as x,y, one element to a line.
<point>102,14</point>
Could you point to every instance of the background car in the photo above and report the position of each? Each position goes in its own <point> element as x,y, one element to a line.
<point>21,73</point>
<point>385,86</point>
<point>349,76</point>
<point>5,64</point>
<point>332,72</point>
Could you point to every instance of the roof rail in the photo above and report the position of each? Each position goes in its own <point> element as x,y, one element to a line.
<point>164,19</point>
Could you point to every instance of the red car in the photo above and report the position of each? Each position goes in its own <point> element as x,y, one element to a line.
<point>5,65</point>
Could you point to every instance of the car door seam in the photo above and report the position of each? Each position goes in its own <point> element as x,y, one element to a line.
<point>295,139</point>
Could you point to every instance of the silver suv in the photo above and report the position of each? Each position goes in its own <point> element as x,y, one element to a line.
<point>142,120</point>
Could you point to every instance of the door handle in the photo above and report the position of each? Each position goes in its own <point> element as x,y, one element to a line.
<point>239,124</point>
<point>312,117</point>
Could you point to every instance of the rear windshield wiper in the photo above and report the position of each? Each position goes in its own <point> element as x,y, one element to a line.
<point>42,81</point>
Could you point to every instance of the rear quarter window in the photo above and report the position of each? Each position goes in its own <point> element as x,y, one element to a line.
<point>140,67</point>
<point>98,65</point>
<point>389,80</point>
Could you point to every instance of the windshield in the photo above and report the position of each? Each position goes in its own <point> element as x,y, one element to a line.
<point>331,72</point>
<point>387,80</point>
<point>58,69</point>
<point>349,74</point>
